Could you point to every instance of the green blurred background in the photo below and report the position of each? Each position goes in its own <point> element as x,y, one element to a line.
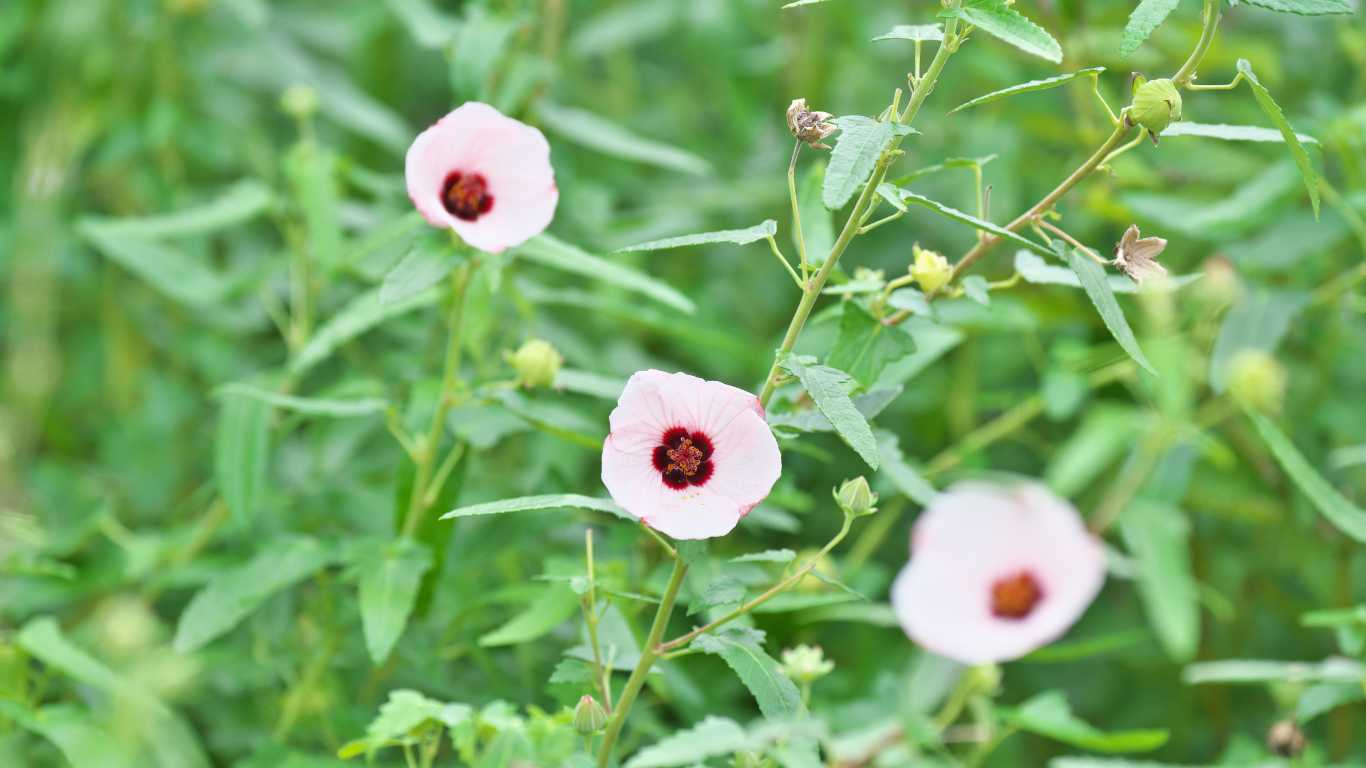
<point>664,118</point>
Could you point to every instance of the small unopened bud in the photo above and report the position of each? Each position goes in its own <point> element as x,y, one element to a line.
<point>1157,104</point>
<point>749,759</point>
<point>1257,381</point>
<point>985,678</point>
<point>806,663</point>
<point>809,126</point>
<point>537,363</point>
<point>589,716</point>
<point>299,101</point>
<point>856,498</point>
<point>931,270</point>
<point>1219,285</point>
<point>1285,739</point>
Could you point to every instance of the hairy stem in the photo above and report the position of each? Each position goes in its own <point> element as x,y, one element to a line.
<point>648,656</point>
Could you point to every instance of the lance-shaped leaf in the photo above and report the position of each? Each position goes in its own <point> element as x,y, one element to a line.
<point>540,503</point>
<point>916,32</point>
<point>389,582</point>
<point>1092,277</point>
<point>1049,715</point>
<point>973,221</point>
<point>553,253</point>
<point>860,143</point>
<point>1260,671</point>
<point>594,132</point>
<point>361,314</point>
<point>241,453</point>
<point>1029,87</point>
<point>1302,7</point>
<point>1006,24</point>
<point>1346,516</point>
<point>1147,16</point>
<point>1231,132</point>
<point>766,228</point>
<point>1273,111</point>
<point>742,651</point>
<point>1158,536</point>
<point>826,387</point>
<point>309,406</point>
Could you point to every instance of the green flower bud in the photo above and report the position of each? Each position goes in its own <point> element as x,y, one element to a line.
<point>806,663</point>
<point>589,716</point>
<point>856,498</point>
<point>931,270</point>
<point>985,678</point>
<point>1157,104</point>
<point>1257,381</point>
<point>299,101</point>
<point>537,364</point>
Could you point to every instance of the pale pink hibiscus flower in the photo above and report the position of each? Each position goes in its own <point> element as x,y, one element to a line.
<point>996,572</point>
<point>484,175</point>
<point>688,457</point>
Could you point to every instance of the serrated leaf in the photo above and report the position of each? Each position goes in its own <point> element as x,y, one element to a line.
<point>723,591</point>
<point>865,345</point>
<point>425,265</point>
<point>826,387</point>
<point>405,712</point>
<point>242,453</point>
<point>1092,277</point>
<point>537,503</point>
<point>870,404</point>
<point>1292,142</point>
<point>551,608</point>
<point>713,737</point>
<point>1343,514</point>
<point>776,694</point>
<point>973,221</point>
<point>1258,672</point>
<point>1146,17</point>
<point>766,228</point>
<point>1039,272</point>
<point>389,582</point>
<point>361,314</point>
<point>1231,132</point>
<point>553,253</point>
<point>1304,7</point>
<point>597,133</point>
<point>1006,24</point>
<point>859,145</point>
<point>1158,538</point>
<point>310,406</point>
<point>1049,715</point>
<point>1029,87</point>
<point>918,32</point>
<point>236,593</point>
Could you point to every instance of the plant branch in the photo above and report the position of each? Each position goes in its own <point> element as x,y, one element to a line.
<point>1186,73</point>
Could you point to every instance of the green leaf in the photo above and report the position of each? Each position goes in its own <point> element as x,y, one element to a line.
<point>1292,142</point>
<point>1146,17</point>
<point>1029,87</point>
<point>767,228</point>
<point>1158,537</point>
<point>722,592</point>
<point>1231,132</point>
<point>589,383</point>
<point>1346,516</point>
<point>1325,697</point>
<point>1092,277</point>
<point>800,3</point>
<point>553,253</point>
<point>423,267</point>
<point>1048,714</point>
<point>865,346</point>
<point>551,608</point>
<point>183,277</point>
<point>309,406</point>
<point>1259,672</point>
<point>906,478</point>
<point>389,582</point>
<point>1104,434</point>
<point>777,695</point>
<point>860,144</point>
<point>767,556</point>
<point>536,503</point>
<point>241,202</point>
<point>405,713</point>
<point>1302,7</point>
<point>826,387</point>
<point>818,224</point>
<point>81,740</point>
<point>870,404</point>
<point>713,737</point>
<point>589,130</point>
<point>170,738</point>
<point>428,26</point>
<point>312,174</point>
<point>236,593</point>
<point>242,453</point>
<point>1006,24</point>
<point>361,314</point>
<point>973,221</point>
<point>918,32</point>
<point>1257,322</point>
<point>1035,270</point>
<point>977,288</point>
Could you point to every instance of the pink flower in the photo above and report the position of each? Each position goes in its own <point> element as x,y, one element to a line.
<point>484,175</point>
<point>686,456</point>
<point>996,572</point>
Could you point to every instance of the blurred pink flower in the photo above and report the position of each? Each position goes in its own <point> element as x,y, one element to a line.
<point>996,572</point>
<point>686,456</point>
<point>484,175</point>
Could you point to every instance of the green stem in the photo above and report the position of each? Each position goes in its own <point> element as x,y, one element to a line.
<point>1186,73</point>
<point>812,290</point>
<point>796,212</point>
<point>648,655</point>
<point>427,449</point>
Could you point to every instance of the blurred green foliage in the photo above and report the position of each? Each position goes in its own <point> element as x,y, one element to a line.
<point>130,478</point>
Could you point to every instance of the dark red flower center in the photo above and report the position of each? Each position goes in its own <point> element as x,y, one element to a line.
<point>466,195</point>
<point>683,458</point>
<point>1014,597</point>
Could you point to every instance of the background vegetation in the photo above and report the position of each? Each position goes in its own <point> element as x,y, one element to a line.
<point>130,478</point>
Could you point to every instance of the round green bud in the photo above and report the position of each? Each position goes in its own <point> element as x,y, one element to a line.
<point>1257,381</point>
<point>589,716</point>
<point>931,270</point>
<point>856,498</point>
<point>299,101</point>
<point>806,663</point>
<point>537,364</point>
<point>1157,104</point>
<point>748,759</point>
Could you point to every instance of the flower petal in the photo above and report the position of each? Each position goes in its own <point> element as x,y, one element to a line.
<point>747,460</point>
